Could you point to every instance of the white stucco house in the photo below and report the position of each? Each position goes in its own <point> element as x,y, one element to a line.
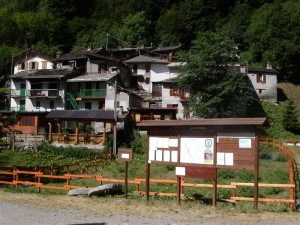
<point>264,81</point>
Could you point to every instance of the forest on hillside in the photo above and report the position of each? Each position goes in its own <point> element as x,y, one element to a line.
<point>263,30</point>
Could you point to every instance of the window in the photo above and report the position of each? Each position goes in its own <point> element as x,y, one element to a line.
<point>176,91</point>
<point>147,80</point>
<point>38,104</point>
<point>157,90</point>
<point>33,65</point>
<point>22,66</point>
<point>172,106</point>
<point>101,104</point>
<point>51,104</point>
<point>147,68</point>
<point>102,68</point>
<point>135,68</point>
<point>87,105</point>
<point>44,65</point>
<point>260,78</point>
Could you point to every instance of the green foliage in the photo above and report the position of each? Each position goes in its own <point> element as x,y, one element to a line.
<point>224,92</point>
<point>274,116</point>
<point>290,118</point>
<point>273,36</point>
<point>139,143</point>
<point>263,30</point>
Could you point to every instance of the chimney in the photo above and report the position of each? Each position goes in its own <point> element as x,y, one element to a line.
<point>269,65</point>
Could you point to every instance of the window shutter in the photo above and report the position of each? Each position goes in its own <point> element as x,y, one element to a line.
<point>264,78</point>
<point>30,65</point>
<point>36,65</point>
<point>26,66</point>
<point>44,65</point>
<point>171,91</point>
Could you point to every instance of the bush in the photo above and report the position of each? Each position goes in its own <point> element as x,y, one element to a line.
<point>69,151</point>
<point>139,142</point>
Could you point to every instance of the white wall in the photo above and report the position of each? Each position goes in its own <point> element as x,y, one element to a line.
<point>37,59</point>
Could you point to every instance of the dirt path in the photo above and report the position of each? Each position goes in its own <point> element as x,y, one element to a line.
<point>36,209</point>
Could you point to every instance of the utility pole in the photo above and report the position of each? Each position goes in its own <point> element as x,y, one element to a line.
<point>115,118</point>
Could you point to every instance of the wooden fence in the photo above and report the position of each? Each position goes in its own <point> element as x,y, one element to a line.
<point>34,178</point>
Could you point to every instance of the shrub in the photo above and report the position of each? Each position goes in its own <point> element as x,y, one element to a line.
<point>139,142</point>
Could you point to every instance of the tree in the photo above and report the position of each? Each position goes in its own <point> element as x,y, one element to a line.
<point>217,88</point>
<point>290,118</point>
<point>274,35</point>
<point>135,30</point>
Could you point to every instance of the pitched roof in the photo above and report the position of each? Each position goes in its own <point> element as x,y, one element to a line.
<point>83,115</point>
<point>32,51</point>
<point>205,122</point>
<point>262,70</point>
<point>93,77</point>
<point>146,59</point>
<point>44,73</point>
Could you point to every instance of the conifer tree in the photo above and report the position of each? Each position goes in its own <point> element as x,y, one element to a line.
<point>290,118</point>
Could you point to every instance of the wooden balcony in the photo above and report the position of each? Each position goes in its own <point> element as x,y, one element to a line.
<point>83,139</point>
<point>44,93</point>
<point>90,93</point>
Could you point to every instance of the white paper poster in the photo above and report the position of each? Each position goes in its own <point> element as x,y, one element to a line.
<point>244,143</point>
<point>197,150</point>
<point>180,171</point>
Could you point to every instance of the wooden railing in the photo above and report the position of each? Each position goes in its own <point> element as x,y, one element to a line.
<point>14,178</point>
<point>83,139</point>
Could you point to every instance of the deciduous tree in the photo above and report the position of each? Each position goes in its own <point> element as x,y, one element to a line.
<point>217,87</point>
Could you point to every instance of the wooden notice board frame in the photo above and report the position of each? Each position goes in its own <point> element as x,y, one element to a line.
<point>234,145</point>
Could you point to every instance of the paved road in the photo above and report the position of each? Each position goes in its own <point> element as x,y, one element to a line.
<point>19,214</point>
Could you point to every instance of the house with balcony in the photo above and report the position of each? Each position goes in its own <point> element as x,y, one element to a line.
<point>103,84</point>
<point>81,80</point>
<point>162,98</point>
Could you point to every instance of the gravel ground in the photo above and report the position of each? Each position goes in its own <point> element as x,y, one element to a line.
<point>16,209</point>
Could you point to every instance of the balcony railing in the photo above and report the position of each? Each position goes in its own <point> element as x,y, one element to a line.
<point>18,92</point>
<point>44,93</point>
<point>90,93</point>
<point>36,93</point>
<point>20,108</point>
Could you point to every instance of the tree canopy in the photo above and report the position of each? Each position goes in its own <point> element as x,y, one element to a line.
<point>216,86</point>
<point>264,30</point>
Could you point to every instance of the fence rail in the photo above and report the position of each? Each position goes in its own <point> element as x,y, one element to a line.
<point>36,180</point>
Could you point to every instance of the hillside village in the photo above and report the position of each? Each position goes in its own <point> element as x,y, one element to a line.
<point>96,87</point>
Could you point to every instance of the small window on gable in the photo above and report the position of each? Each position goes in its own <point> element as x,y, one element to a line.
<point>33,65</point>
<point>260,78</point>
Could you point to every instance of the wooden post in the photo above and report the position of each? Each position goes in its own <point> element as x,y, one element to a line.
<point>178,190</point>
<point>76,134</point>
<point>126,180</point>
<point>147,180</point>
<point>214,197</point>
<point>50,132</point>
<point>59,128</point>
<point>137,186</point>
<point>104,133</point>
<point>292,181</point>
<point>256,170</point>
